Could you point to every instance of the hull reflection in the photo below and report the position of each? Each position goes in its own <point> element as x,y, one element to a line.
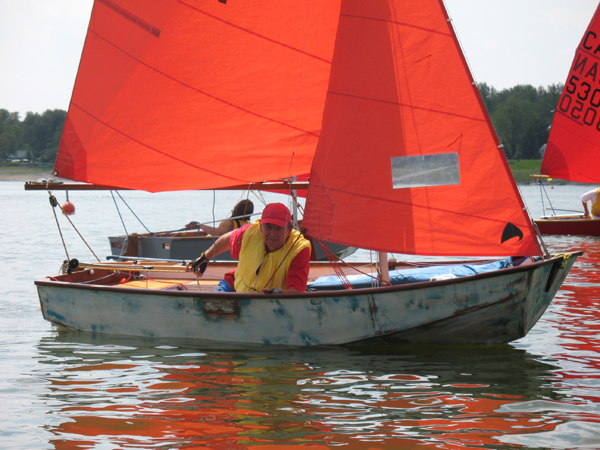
<point>312,398</point>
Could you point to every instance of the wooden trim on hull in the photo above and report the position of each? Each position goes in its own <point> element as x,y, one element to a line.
<point>569,226</point>
<point>344,293</point>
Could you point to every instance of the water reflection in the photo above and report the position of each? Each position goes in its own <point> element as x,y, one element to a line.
<point>97,392</point>
<point>571,340</point>
<point>129,393</point>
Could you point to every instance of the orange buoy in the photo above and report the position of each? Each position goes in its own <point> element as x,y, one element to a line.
<point>68,208</point>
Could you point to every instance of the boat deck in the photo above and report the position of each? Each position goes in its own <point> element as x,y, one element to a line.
<point>165,275</point>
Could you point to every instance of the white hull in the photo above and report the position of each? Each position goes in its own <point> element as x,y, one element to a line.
<point>494,307</point>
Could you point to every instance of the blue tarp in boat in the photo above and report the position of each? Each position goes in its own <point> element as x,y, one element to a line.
<point>408,276</point>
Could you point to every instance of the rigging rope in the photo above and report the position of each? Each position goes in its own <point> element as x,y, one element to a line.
<point>214,238</point>
<point>54,204</point>
<point>542,192</point>
<point>331,257</point>
<point>134,215</point>
<point>119,211</point>
<point>282,259</point>
<point>333,260</point>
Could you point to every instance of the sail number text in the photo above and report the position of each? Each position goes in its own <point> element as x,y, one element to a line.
<point>580,99</point>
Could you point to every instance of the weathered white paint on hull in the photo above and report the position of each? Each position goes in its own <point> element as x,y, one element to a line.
<point>495,307</point>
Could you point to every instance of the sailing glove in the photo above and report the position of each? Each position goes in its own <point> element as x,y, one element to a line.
<point>200,264</point>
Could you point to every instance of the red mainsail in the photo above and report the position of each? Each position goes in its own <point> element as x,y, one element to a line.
<point>408,160</point>
<point>573,149</point>
<point>198,94</point>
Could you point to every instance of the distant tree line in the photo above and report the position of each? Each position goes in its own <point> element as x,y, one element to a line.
<point>36,137</point>
<point>522,116</point>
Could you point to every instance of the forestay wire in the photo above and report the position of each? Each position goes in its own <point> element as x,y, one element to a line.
<point>119,212</point>
<point>134,214</point>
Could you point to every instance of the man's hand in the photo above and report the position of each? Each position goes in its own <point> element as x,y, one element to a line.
<point>200,265</point>
<point>192,225</point>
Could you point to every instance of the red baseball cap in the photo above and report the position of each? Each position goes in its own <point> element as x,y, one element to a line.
<point>277,214</point>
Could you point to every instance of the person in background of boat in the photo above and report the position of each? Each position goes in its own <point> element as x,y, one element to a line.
<point>239,217</point>
<point>591,196</point>
<point>273,256</point>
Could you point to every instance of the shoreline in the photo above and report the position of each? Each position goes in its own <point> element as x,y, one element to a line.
<point>24,173</point>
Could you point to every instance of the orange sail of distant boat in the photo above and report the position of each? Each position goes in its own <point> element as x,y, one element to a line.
<point>573,148</point>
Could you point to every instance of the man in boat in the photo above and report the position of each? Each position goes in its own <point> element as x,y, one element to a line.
<point>239,217</point>
<point>591,196</point>
<point>273,256</point>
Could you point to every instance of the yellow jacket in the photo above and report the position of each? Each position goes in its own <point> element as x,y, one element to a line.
<point>239,223</point>
<point>272,268</point>
<point>596,204</point>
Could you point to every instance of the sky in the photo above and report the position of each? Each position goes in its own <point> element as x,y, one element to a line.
<point>506,42</point>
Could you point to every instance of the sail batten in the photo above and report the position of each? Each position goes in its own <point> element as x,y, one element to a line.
<point>131,17</point>
<point>399,23</point>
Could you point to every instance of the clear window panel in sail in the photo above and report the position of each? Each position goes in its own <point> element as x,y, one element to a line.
<point>425,170</point>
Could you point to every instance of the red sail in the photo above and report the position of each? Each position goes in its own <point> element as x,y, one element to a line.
<point>573,149</point>
<point>408,161</point>
<point>198,94</point>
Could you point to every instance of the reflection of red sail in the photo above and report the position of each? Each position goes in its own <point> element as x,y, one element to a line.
<point>455,419</point>
<point>576,316</point>
<point>229,404</point>
<point>180,406</point>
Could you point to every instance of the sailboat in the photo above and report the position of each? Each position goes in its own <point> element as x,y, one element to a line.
<point>573,148</point>
<point>375,100</point>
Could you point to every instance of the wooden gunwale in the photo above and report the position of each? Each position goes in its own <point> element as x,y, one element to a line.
<point>307,295</point>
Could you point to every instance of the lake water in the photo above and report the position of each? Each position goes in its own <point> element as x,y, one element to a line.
<point>67,390</point>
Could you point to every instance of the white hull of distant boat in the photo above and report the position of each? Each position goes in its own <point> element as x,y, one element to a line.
<point>493,307</point>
